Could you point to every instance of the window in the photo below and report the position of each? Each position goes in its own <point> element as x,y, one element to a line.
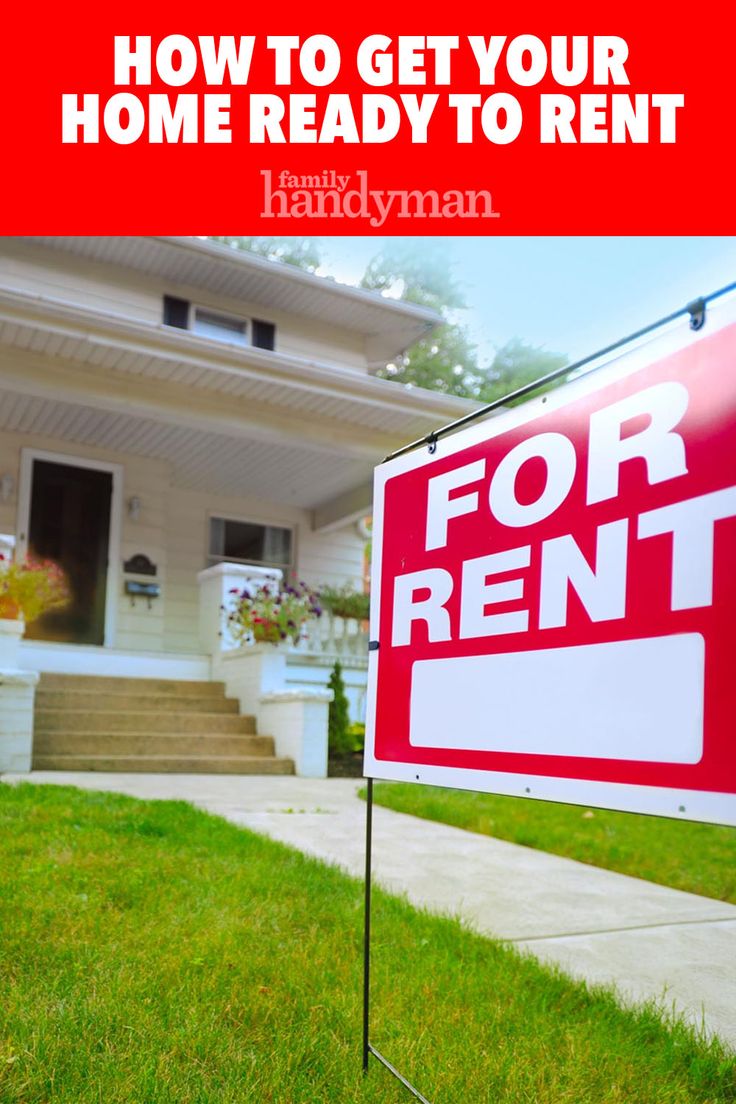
<point>218,326</point>
<point>250,543</point>
<point>184,315</point>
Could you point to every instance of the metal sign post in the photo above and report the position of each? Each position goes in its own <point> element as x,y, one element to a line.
<point>368,1048</point>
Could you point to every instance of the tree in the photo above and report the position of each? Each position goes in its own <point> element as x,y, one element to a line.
<point>516,363</point>
<point>301,252</point>
<point>447,360</point>
<point>338,722</point>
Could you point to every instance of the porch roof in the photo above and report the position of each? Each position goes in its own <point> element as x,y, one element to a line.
<point>388,325</point>
<point>226,418</point>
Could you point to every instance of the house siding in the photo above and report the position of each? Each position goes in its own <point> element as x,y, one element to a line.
<point>47,272</point>
<point>172,530</point>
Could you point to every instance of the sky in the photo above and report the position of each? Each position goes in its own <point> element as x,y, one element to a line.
<point>567,295</point>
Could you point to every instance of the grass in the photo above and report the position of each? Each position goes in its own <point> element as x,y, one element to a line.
<point>699,858</point>
<point>153,954</point>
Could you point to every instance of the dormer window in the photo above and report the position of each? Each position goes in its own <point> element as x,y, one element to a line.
<point>216,326</point>
<point>220,327</point>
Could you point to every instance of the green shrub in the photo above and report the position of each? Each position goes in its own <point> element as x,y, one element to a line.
<point>338,728</point>
<point>357,736</point>
<point>345,602</point>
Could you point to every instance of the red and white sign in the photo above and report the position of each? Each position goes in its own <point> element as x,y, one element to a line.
<point>554,591</point>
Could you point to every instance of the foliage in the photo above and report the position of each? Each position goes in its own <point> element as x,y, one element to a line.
<point>31,588</point>
<point>300,252</point>
<point>338,725</point>
<point>345,602</point>
<point>356,732</point>
<point>515,364</point>
<point>698,858</point>
<point>268,614</point>
<point>418,271</point>
<point>447,360</point>
<point>155,954</point>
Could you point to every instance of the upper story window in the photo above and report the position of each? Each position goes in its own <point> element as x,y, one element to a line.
<point>207,323</point>
<point>220,327</point>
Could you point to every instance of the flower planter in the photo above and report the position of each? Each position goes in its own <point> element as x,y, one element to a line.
<point>11,632</point>
<point>9,609</point>
<point>267,634</point>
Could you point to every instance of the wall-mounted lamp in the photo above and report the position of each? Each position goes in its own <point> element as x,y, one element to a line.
<point>7,487</point>
<point>134,508</point>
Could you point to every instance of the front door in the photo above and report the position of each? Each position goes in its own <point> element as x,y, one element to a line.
<point>70,524</point>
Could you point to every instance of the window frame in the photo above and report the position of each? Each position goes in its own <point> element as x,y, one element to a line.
<point>246,323</point>
<point>258,333</point>
<point>211,560</point>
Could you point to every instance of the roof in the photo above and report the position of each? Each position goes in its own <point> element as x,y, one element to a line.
<point>305,433</point>
<point>388,325</point>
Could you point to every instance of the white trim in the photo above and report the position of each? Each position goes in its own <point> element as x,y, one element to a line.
<point>112,587</point>
<point>245,321</point>
<point>702,805</point>
<point>86,659</point>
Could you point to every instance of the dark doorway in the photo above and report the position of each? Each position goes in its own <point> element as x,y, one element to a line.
<point>70,524</point>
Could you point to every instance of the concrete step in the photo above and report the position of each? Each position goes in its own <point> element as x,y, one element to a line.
<point>166,764</point>
<point>126,702</point>
<point>90,720</point>
<point>100,723</point>
<point>149,743</point>
<point>109,683</point>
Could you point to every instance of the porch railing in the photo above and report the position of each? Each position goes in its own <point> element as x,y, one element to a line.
<point>327,638</point>
<point>332,637</point>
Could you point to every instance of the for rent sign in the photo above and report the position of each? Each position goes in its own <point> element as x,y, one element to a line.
<point>554,591</point>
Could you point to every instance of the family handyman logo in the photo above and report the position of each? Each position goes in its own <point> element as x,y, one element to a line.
<point>330,194</point>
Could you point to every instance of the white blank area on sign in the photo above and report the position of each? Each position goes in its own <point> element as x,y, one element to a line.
<point>638,700</point>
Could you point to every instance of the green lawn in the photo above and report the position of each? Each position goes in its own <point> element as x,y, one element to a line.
<point>700,858</point>
<point>151,953</point>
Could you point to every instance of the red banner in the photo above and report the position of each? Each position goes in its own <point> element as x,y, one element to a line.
<point>575,119</point>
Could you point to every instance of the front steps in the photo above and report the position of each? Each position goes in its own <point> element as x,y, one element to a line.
<point>89,723</point>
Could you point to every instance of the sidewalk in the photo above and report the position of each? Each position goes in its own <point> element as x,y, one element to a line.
<point>650,941</point>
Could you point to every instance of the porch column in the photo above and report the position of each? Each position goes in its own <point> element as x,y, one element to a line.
<point>296,716</point>
<point>17,691</point>
<point>215,586</point>
<point>255,674</point>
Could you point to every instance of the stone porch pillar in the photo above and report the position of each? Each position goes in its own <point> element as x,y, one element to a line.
<point>255,674</point>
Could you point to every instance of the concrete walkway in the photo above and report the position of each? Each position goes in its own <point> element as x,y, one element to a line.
<point>651,942</point>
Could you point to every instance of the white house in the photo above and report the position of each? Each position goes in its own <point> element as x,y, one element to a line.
<point>173,415</point>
